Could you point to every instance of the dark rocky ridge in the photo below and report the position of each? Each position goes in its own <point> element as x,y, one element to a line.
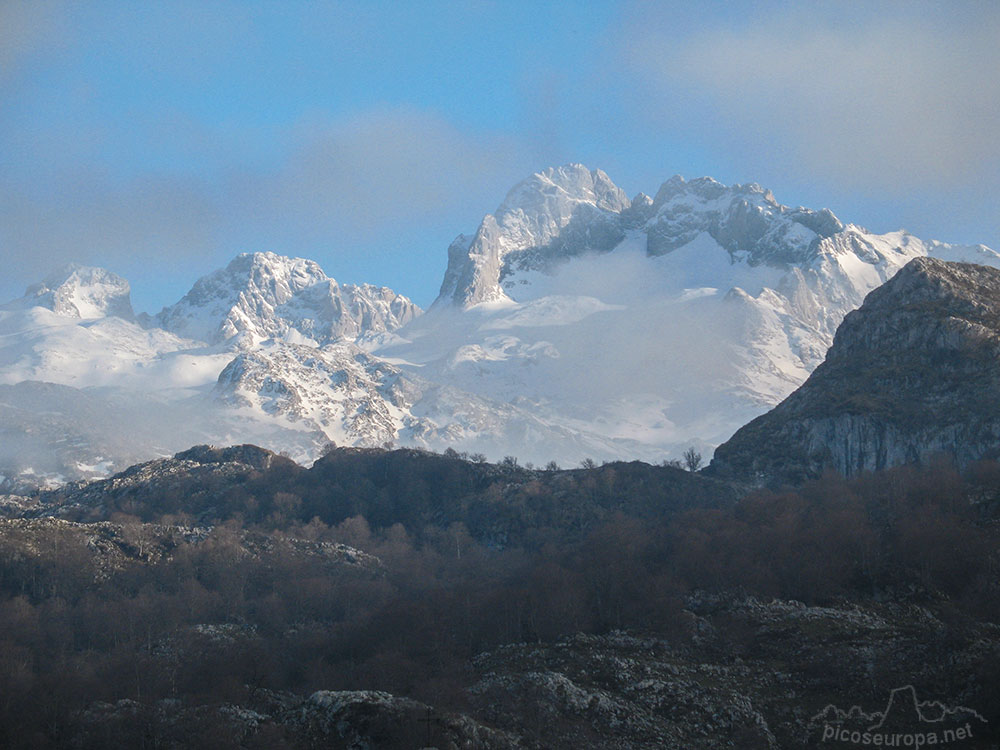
<point>500,504</point>
<point>911,373</point>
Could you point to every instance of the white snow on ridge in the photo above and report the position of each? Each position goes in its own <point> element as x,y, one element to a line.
<point>76,291</point>
<point>712,326</point>
<point>263,296</point>
<point>574,323</point>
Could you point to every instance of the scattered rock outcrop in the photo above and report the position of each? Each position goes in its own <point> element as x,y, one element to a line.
<point>740,673</point>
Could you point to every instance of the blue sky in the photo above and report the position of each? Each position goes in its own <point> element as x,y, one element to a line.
<point>160,139</point>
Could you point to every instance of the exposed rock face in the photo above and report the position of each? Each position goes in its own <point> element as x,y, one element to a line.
<point>264,295</point>
<point>343,393</point>
<point>250,455</point>
<point>561,211</point>
<point>746,674</point>
<point>373,719</point>
<point>912,372</point>
<point>574,323</point>
<point>744,219</point>
<point>569,211</point>
<point>201,465</point>
<point>343,720</point>
<point>329,311</point>
<point>690,313</point>
<point>109,547</point>
<point>77,291</point>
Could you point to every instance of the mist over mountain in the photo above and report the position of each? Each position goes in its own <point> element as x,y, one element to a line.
<point>573,323</point>
<point>670,320</point>
<point>76,291</point>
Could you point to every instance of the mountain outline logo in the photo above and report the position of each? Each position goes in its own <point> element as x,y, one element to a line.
<point>906,721</point>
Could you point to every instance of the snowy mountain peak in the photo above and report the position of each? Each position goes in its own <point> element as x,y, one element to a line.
<point>278,274</point>
<point>709,189</point>
<point>533,222</point>
<point>640,200</point>
<point>625,328</point>
<point>264,295</point>
<point>557,190</point>
<point>341,391</point>
<point>705,188</point>
<point>76,291</point>
<point>570,211</point>
<point>744,219</point>
<point>239,298</point>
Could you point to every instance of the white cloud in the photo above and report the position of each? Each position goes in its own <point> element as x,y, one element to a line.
<point>889,101</point>
<point>28,28</point>
<point>341,183</point>
<point>385,166</point>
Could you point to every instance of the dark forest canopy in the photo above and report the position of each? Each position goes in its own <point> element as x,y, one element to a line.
<point>415,488</point>
<point>234,579</point>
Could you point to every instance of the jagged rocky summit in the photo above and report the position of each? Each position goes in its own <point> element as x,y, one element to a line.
<point>565,212</point>
<point>266,296</point>
<point>670,320</point>
<point>912,373</point>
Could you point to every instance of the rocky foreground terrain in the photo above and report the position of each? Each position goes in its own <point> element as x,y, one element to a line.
<point>737,672</point>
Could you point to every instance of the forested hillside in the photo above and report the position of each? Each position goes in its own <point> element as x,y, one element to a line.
<point>202,601</point>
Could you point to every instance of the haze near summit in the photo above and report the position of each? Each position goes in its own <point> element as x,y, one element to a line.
<point>159,140</point>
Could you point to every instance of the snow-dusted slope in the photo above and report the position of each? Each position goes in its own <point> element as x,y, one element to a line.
<point>76,291</point>
<point>344,394</point>
<point>340,390</point>
<point>564,210</point>
<point>240,297</point>
<point>77,329</point>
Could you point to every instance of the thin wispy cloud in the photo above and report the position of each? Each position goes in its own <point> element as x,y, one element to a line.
<point>881,101</point>
<point>338,181</point>
<point>385,166</point>
<point>28,29</point>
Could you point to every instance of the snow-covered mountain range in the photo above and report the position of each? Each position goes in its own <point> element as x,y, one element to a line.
<point>572,323</point>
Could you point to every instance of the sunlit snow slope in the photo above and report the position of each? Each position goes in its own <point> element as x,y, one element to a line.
<point>573,323</point>
<point>670,320</point>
